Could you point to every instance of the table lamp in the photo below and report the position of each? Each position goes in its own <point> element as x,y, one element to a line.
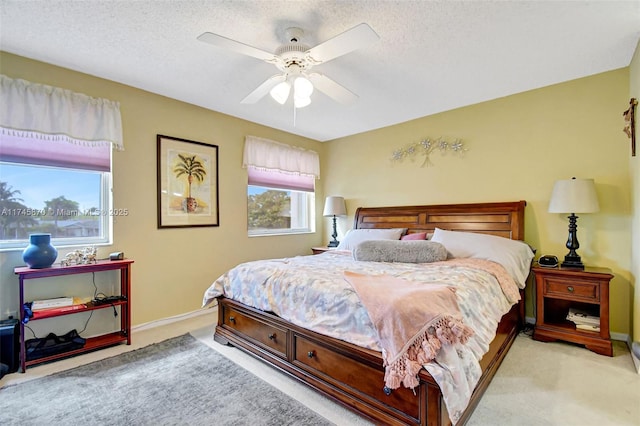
<point>573,196</point>
<point>334,206</point>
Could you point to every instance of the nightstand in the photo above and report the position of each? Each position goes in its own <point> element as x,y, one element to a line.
<point>320,250</point>
<point>558,290</point>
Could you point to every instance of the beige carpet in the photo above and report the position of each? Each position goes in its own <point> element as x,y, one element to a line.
<point>561,384</point>
<point>538,384</point>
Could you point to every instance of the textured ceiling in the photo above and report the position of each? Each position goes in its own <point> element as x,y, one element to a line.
<point>432,56</point>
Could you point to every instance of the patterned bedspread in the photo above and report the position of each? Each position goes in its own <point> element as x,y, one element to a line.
<point>310,291</point>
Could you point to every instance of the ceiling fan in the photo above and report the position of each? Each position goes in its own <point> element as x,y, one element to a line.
<point>295,59</point>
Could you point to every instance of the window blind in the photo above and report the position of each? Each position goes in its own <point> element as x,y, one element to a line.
<point>276,165</point>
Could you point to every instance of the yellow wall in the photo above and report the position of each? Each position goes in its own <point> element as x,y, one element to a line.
<point>517,147</point>
<point>172,267</point>
<point>634,166</point>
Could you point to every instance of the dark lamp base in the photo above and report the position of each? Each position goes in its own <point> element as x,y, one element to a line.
<point>572,262</point>
<point>334,235</point>
<point>572,259</point>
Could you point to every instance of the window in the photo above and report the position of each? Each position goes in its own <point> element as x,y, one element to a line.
<point>55,164</point>
<point>71,204</point>
<point>278,211</point>
<point>280,190</point>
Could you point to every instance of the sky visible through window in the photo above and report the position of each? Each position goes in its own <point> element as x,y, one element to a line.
<point>254,190</point>
<point>40,184</point>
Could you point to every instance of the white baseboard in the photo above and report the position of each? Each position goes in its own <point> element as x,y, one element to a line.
<point>636,361</point>
<point>169,320</point>
<point>622,337</point>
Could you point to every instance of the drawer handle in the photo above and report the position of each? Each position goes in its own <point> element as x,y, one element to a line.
<point>310,354</point>
<point>387,390</point>
<point>272,336</point>
<point>570,288</point>
<point>232,319</point>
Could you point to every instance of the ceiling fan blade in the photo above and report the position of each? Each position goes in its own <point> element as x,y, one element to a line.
<point>357,37</point>
<point>332,89</point>
<point>236,46</point>
<point>262,90</point>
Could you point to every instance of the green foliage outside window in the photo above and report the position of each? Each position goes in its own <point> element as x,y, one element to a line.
<point>269,210</point>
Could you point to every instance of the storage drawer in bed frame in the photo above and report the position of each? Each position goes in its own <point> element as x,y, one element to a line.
<point>367,380</point>
<point>266,335</point>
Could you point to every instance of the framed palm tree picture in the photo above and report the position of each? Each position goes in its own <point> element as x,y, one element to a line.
<point>187,183</point>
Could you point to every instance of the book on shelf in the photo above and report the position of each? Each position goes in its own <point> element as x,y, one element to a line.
<point>58,302</point>
<point>45,313</point>
<point>584,318</point>
<point>588,327</point>
<point>51,303</point>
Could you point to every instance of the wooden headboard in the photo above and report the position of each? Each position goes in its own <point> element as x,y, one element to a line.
<point>502,219</point>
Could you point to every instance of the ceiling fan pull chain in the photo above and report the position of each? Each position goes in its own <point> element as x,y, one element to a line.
<point>294,114</point>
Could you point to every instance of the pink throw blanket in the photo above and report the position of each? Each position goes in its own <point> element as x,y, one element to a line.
<point>413,321</point>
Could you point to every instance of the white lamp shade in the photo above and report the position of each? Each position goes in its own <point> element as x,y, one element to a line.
<point>334,206</point>
<point>302,87</point>
<point>302,90</point>
<point>574,196</point>
<point>280,92</point>
<point>301,102</point>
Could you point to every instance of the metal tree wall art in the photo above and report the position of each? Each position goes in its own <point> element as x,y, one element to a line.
<point>426,147</point>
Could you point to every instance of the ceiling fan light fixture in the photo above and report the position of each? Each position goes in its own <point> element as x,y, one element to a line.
<point>295,59</point>
<point>280,92</point>
<point>302,87</point>
<point>301,101</point>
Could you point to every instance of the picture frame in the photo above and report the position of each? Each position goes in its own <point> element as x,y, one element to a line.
<point>187,183</point>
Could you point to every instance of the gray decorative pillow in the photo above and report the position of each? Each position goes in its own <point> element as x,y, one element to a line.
<point>400,251</point>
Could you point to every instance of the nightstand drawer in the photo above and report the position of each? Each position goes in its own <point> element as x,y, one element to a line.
<point>573,290</point>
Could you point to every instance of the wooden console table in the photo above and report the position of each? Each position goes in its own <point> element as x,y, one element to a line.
<point>93,343</point>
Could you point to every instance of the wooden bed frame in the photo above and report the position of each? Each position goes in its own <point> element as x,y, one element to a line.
<point>354,376</point>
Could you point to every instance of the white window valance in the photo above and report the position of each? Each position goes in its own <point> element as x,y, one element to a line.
<point>37,111</point>
<point>268,155</point>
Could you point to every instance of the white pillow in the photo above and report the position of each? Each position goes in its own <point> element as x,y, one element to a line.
<point>354,237</point>
<point>514,255</point>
